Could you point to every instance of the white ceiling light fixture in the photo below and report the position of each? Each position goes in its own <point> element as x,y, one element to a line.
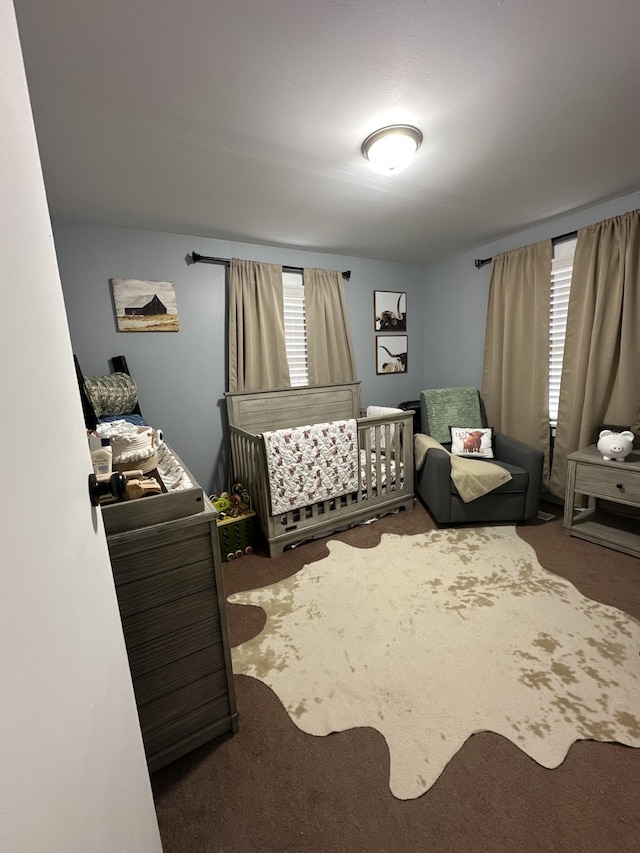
<point>392,148</point>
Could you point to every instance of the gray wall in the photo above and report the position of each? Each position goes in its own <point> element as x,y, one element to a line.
<point>181,376</point>
<point>456,295</point>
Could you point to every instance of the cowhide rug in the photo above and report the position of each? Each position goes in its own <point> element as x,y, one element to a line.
<point>433,637</point>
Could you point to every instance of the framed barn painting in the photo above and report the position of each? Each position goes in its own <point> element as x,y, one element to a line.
<point>145,306</point>
<point>391,353</point>
<point>390,311</point>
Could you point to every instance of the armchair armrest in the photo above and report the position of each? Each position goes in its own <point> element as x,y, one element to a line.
<point>515,452</point>
<point>433,483</point>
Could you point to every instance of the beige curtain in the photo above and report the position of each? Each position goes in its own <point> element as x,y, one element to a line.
<point>516,354</point>
<point>257,350</point>
<point>329,345</point>
<point>601,366</point>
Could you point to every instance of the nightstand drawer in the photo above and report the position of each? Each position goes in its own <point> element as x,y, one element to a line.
<point>613,483</point>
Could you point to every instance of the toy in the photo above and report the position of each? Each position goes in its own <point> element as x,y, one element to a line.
<point>615,445</point>
<point>112,487</point>
<point>237,526</point>
<point>221,503</point>
<point>234,504</point>
<point>138,487</point>
<point>242,495</point>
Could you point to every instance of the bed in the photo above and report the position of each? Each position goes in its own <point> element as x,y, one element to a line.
<point>385,469</point>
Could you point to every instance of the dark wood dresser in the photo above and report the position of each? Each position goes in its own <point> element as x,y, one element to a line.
<point>166,563</point>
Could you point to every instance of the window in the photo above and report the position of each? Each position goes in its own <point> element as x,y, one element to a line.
<point>295,330</point>
<point>561,269</point>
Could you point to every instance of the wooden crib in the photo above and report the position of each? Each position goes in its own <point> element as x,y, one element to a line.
<point>386,442</point>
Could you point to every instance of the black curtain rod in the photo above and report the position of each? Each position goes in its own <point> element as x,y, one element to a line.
<point>569,236</point>
<point>206,259</point>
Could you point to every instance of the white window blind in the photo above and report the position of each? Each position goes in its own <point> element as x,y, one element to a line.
<point>561,269</point>
<point>295,329</point>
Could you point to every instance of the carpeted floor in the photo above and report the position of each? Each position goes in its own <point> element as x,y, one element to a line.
<point>274,789</point>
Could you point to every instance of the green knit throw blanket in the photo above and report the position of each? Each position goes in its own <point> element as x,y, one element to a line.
<point>446,407</point>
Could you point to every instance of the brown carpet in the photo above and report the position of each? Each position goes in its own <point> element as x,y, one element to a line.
<point>274,789</point>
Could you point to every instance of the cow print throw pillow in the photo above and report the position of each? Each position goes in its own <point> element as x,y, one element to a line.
<point>473,442</point>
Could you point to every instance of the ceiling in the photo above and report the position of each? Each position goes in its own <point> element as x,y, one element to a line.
<point>243,119</point>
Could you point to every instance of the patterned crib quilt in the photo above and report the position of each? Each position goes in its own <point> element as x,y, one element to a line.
<point>311,463</point>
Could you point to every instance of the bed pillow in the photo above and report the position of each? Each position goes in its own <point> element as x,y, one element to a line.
<point>473,442</point>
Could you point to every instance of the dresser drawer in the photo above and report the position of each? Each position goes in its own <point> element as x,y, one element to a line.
<point>178,736</point>
<point>172,706</point>
<point>154,552</point>
<point>168,618</point>
<point>163,650</point>
<point>159,682</point>
<point>614,483</point>
<point>161,588</point>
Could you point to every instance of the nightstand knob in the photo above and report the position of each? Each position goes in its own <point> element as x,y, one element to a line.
<point>620,486</point>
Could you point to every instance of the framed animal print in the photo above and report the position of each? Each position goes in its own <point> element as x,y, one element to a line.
<point>389,311</point>
<point>391,353</point>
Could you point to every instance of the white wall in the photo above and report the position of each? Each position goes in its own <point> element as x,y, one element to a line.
<point>73,772</point>
<point>456,295</point>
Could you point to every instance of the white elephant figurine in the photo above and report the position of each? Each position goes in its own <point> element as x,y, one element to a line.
<point>615,445</point>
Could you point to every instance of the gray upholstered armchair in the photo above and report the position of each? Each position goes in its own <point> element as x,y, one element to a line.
<point>515,500</point>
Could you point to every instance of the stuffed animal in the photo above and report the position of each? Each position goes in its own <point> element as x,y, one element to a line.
<point>615,445</point>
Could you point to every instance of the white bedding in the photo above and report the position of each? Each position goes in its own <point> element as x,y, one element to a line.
<point>383,470</point>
